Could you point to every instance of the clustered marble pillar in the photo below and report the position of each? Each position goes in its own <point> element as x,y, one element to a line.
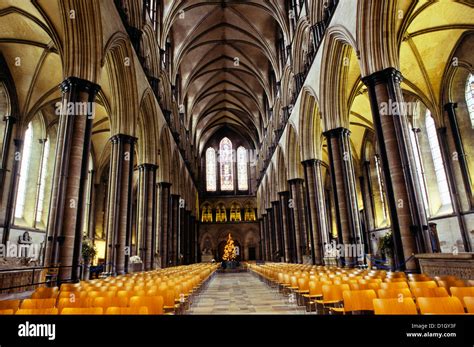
<point>317,208</point>
<point>173,238</point>
<point>344,191</point>
<point>271,234</point>
<point>289,251</point>
<point>278,243</point>
<point>297,208</point>
<point>407,212</point>
<point>64,230</point>
<point>146,214</point>
<point>163,228</point>
<point>119,213</point>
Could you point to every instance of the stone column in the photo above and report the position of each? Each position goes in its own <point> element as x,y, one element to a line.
<point>407,211</point>
<point>4,154</point>
<point>192,239</point>
<point>163,213</point>
<point>265,244</point>
<point>450,109</point>
<point>271,234</point>
<point>13,187</point>
<point>64,230</point>
<point>344,191</point>
<point>261,229</point>
<point>119,211</point>
<point>286,226</point>
<point>317,208</point>
<point>299,222</point>
<point>278,233</point>
<point>173,251</point>
<point>146,214</point>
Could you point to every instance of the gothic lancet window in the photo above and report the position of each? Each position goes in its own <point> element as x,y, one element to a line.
<point>226,165</point>
<point>470,97</point>
<point>242,175</point>
<point>211,180</point>
<point>437,160</point>
<point>24,171</point>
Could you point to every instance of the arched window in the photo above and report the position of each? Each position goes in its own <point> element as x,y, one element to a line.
<point>24,171</point>
<point>235,215</point>
<point>418,164</point>
<point>242,175</point>
<point>470,97</point>
<point>437,160</point>
<point>226,165</point>
<point>42,187</point>
<point>381,189</point>
<point>211,181</point>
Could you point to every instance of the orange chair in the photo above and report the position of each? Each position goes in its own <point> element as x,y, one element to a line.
<point>359,300</point>
<point>425,284</point>
<point>10,305</point>
<point>394,293</point>
<point>446,305</point>
<point>106,302</point>
<point>394,306</point>
<point>76,303</point>
<point>154,303</point>
<point>462,292</point>
<point>38,303</point>
<point>430,292</point>
<point>449,284</point>
<point>469,303</point>
<point>332,295</point>
<point>393,285</point>
<point>45,293</point>
<point>37,311</point>
<point>6,312</point>
<point>127,310</point>
<point>82,311</point>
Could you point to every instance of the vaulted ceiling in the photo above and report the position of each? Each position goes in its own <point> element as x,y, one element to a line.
<point>223,52</point>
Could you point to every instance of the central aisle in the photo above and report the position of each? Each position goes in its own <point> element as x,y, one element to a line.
<point>242,293</point>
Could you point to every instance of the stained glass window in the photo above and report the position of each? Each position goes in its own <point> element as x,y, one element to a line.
<point>437,160</point>
<point>470,97</point>
<point>44,167</point>
<point>25,163</point>
<point>226,165</point>
<point>242,169</point>
<point>211,180</point>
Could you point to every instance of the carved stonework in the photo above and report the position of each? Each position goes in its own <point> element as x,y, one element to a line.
<point>439,264</point>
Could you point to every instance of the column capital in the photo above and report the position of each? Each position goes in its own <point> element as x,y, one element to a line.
<point>311,162</point>
<point>147,167</point>
<point>285,193</point>
<point>10,118</point>
<point>450,106</point>
<point>295,180</point>
<point>80,84</point>
<point>384,76</point>
<point>337,132</point>
<point>123,138</point>
<point>163,184</point>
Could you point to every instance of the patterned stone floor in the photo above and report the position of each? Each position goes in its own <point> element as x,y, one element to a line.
<point>242,293</point>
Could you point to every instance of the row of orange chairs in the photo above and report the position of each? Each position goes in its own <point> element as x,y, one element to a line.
<point>152,292</point>
<point>341,290</point>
